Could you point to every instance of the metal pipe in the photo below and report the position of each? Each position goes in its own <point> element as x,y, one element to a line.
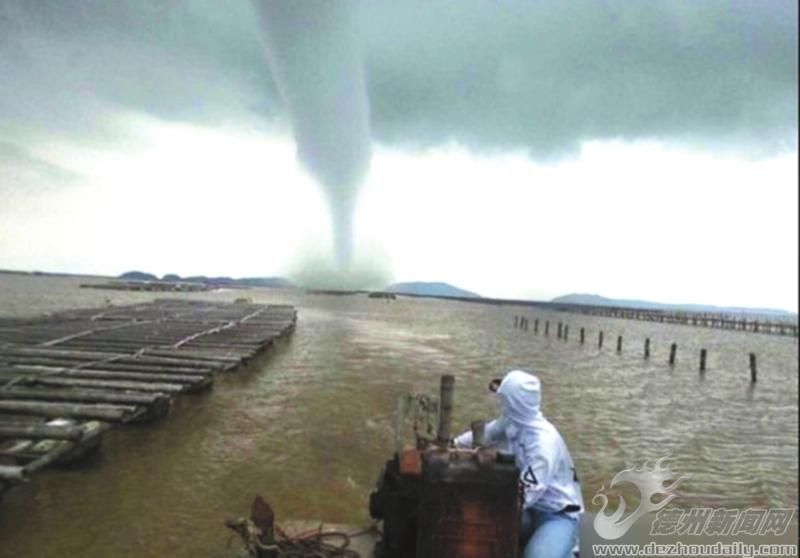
<point>445,409</point>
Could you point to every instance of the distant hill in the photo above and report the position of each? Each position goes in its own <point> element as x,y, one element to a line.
<point>138,276</point>
<point>419,288</point>
<point>597,300</point>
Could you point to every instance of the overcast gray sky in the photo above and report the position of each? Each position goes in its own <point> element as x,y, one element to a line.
<point>633,149</point>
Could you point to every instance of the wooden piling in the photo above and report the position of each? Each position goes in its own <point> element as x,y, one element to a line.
<point>673,349</point>
<point>753,368</point>
<point>547,328</point>
<point>566,332</point>
<point>647,348</point>
<point>478,428</point>
<point>583,336</point>
<point>536,325</point>
<point>447,386</point>
<point>600,340</point>
<point>619,343</point>
<point>702,360</point>
<point>560,328</point>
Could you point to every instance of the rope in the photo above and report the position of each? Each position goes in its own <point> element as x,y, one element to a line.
<point>309,544</point>
<point>217,329</point>
<point>86,332</point>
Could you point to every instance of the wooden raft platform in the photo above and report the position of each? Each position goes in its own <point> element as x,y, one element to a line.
<point>67,377</point>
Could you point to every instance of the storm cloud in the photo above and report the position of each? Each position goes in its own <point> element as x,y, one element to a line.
<point>540,78</point>
<point>544,76</point>
<point>536,76</point>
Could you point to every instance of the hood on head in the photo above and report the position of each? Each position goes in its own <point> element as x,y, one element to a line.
<point>521,396</point>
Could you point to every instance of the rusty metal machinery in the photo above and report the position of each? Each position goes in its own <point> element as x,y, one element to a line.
<point>436,501</point>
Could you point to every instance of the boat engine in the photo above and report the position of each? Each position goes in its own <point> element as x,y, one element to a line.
<point>436,501</point>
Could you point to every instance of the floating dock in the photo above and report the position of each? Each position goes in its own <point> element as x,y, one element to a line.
<point>68,377</point>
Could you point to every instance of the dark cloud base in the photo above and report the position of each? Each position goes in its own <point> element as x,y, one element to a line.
<point>539,76</point>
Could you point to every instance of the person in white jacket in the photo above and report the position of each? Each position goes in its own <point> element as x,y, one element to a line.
<point>551,494</point>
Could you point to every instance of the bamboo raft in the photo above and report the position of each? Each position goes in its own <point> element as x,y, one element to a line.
<point>66,378</point>
<point>150,286</point>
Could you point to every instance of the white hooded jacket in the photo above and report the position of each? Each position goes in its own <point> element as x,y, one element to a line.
<point>548,478</point>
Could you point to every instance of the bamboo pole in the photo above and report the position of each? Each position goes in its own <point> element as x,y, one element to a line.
<point>113,413</point>
<point>161,387</point>
<point>40,432</point>
<point>184,353</point>
<point>67,452</point>
<point>12,474</point>
<point>116,358</point>
<point>111,374</point>
<point>82,396</point>
<point>105,366</point>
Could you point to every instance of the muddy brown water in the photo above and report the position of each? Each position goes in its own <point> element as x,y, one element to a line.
<point>309,426</point>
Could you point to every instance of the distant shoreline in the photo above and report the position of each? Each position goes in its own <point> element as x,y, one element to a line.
<point>776,315</point>
<point>38,273</point>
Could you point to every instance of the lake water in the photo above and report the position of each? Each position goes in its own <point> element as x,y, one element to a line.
<point>310,426</point>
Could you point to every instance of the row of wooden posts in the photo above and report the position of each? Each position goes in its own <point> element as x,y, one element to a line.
<point>521,322</point>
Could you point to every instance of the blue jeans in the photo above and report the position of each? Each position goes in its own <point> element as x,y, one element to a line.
<point>548,535</point>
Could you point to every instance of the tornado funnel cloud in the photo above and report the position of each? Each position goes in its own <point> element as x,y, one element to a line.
<point>315,56</point>
<point>342,223</point>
